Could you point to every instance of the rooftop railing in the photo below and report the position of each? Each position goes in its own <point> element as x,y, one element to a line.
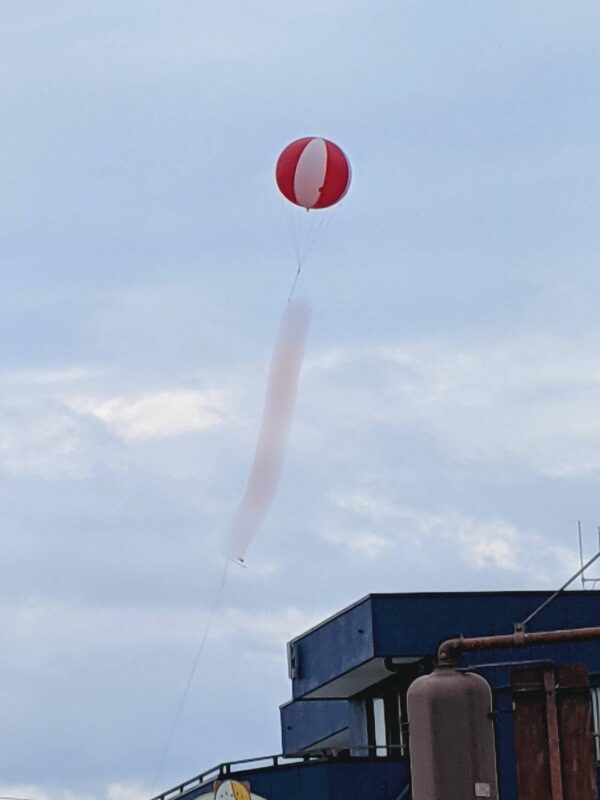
<point>227,769</point>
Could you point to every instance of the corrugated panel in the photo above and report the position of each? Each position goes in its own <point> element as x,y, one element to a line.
<point>553,733</point>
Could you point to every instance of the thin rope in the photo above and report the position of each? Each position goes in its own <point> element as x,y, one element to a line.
<point>311,237</point>
<point>290,221</point>
<point>328,216</point>
<point>182,700</point>
<point>312,234</point>
<point>295,282</point>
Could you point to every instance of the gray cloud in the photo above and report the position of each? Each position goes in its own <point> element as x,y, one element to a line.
<point>447,420</point>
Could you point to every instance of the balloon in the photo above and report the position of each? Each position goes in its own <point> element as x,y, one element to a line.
<point>232,790</point>
<point>280,399</point>
<point>313,173</point>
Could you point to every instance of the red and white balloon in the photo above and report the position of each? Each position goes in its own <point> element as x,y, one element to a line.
<point>313,173</point>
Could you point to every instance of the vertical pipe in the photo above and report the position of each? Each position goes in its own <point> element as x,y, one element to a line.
<point>553,735</point>
<point>581,553</point>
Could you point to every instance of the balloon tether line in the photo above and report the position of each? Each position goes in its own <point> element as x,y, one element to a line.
<point>314,233</point>
<point>295,281</point>
<point>190,679</point>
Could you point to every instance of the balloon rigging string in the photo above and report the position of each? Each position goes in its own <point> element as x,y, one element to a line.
<point>314,232</point>
<point>292,230</point>
<point>295,282</point>
<point>190,679</point>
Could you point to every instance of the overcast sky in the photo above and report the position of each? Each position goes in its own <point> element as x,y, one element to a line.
<point>447,433</point>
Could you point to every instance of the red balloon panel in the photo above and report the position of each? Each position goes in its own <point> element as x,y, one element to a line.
<point>313,173</point>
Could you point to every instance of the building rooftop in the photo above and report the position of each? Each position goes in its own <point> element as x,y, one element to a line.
<point>345,731</point>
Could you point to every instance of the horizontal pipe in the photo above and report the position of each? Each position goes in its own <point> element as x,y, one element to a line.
<point>450,651</point>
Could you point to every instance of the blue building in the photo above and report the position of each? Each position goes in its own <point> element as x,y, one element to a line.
<point>345,730</point>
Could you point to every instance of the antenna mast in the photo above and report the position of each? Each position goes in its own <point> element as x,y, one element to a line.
<point>584,580</point>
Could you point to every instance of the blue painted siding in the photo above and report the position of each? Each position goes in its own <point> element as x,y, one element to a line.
<point>334,780</point>
<point>315,719</point>
<point>334,648</point>
<point>414,625</point>
<point>505,746</point>
<point>405,624</point>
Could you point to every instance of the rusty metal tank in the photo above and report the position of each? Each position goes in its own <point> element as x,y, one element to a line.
<point>452,743</point>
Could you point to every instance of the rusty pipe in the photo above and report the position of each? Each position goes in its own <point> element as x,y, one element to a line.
<point>450,651</point>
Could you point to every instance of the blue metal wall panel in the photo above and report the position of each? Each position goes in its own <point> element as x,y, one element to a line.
<point>413,625</point>
<point>334,648</point>
<point>402,623</point>
<point>505,745</point>
<point>373,782</point>
<point>333,780</point>
<point>304,722</point>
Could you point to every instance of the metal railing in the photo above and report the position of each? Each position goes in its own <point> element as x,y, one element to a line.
<point>229,768</point>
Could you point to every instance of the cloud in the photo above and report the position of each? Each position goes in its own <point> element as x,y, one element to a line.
<point>70,631</point>
<point>535,400</point>
<point>157,415</point>
<point>49,440</point>
<point>67,423</point>
<point>480,543</point>
<point>25,379</point>
<point>113,791</point>
<point>269,628</point>
<point>361,542</point>
<point>41,435</point>
<point>142,233</point>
